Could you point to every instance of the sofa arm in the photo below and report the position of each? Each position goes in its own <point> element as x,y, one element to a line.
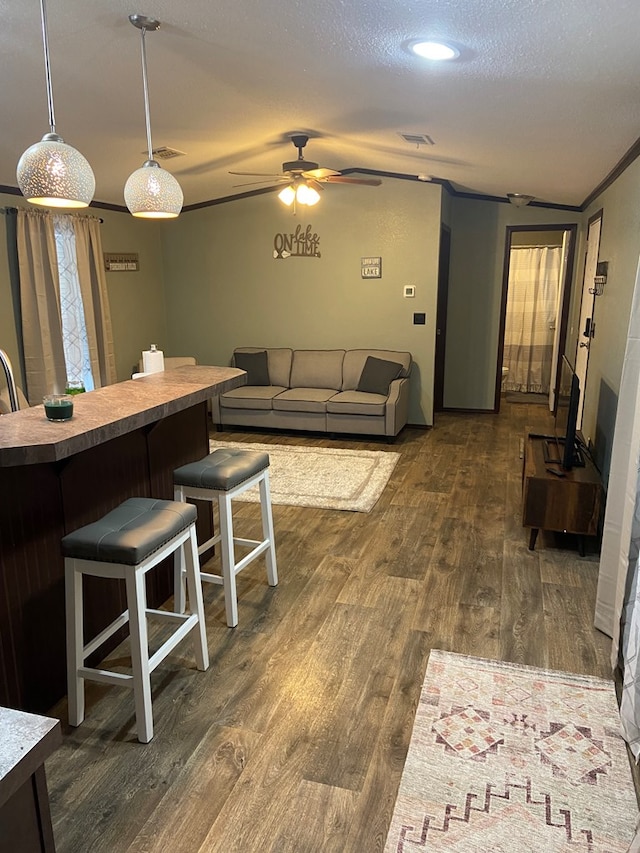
<point>397,406</point>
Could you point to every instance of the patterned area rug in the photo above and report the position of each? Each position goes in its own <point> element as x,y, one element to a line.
<point>513,759</point>
<point>322,477</point>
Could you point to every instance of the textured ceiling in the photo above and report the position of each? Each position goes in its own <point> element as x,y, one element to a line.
<point>544,99</point>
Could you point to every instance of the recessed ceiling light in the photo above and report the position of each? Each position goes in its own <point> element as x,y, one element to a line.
<point>434,50</point>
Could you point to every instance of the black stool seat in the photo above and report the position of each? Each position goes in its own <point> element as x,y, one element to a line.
<point>131,532</point>
<point>222,470</point>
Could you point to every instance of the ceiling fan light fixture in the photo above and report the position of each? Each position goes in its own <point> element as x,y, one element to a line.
<point>52,173</point>
<point>287,195</point>
<point>434,50</point>
<point>151,192</point>
<point>307,195</point>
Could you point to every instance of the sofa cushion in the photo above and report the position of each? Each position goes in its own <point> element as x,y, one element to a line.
<point>279,360</point>
<point>256,365</point>
<point>354,361</point>
<point>250,397</point>
<point>357,403</point>
<point>377,374</point>
<point>303,400</point>
<point>317,369</point>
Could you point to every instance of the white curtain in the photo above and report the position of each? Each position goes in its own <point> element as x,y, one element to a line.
<point>532,301</point>
<point>618,597</point>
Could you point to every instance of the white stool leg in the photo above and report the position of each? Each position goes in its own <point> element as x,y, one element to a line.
<point>179,602</point>
<point>75,642</point>
<point>228,559</point>
<point>194,585</point>
<point>267,529</point>
<point>137,604</point>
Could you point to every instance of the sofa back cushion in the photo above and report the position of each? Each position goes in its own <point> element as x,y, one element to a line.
<point>278,360</point>
<point>355,359</point>
<point>317,368</point>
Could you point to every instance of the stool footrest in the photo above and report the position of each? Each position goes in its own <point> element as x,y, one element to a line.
<point>119,622</point>
<point>105,676</point>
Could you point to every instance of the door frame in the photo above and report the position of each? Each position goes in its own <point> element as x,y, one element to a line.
<point>587,310</point>
<point>444,261</point>
<point>565,286</point>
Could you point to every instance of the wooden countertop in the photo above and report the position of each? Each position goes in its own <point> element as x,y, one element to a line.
<point>28,438</point>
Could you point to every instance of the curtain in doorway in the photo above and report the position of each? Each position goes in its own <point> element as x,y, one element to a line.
<point>532,301</point>
<point>618,597</point>
<point>42,327</point>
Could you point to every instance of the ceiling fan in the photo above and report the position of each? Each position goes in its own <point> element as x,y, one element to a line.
<point>302,178</point>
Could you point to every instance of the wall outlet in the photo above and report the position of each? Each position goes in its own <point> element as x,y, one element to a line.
<point>409,291</point>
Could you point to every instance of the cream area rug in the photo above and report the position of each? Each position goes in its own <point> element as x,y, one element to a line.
<point>513,759</point>
<point>322,477</point>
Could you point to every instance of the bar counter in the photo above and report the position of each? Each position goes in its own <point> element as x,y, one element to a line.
<point>123,441</point>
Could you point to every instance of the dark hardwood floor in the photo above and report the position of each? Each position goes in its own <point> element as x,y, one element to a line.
<point>295,738</point>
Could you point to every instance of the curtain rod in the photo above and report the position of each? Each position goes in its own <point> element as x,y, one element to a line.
<point>15,210</point>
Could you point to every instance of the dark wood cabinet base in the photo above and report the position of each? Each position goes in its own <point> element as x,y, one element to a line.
<point>570,503</point>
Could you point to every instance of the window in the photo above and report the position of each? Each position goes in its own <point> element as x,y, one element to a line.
<point>74,329</point>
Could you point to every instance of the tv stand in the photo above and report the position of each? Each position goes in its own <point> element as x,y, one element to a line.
<point>569,503</point>
<point>554,452</point>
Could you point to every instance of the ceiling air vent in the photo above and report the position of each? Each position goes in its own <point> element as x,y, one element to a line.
<point>166,153</point>
<point>417,139</point>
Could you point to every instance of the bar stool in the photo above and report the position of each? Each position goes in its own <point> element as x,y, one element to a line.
<point>219,478</point>
<point>127,543</point>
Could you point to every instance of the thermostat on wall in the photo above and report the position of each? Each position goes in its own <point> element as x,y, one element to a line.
<point>409,291</point>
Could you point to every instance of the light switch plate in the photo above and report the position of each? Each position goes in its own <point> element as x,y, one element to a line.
<point>409,291</point>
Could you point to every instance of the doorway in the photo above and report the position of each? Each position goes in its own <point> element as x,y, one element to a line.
<point>536,289</point>
<point>586,328</point>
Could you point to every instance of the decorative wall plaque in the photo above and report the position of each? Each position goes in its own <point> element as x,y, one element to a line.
<point>302,243</point>
<point>371,267</point>
<point>121,262</point>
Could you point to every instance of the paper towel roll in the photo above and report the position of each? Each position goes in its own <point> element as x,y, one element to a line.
<point>152,360</point>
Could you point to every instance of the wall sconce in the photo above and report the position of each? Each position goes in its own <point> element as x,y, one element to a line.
<point>519,199</point>
<point>600,278</point>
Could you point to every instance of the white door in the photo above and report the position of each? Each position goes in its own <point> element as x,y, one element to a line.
<point>585,328</point>
<point>556,337</point>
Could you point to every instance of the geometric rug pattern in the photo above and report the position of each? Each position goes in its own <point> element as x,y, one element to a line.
<point>505,757</point>
<point>324,477</point>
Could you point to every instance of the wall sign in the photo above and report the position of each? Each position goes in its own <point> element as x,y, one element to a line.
<point>301,243</point>
<point>371,267</point>
<point>121,262</point>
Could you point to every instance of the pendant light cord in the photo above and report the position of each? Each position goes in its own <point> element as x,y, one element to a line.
<point>47,67</point>
<point>145,86</point>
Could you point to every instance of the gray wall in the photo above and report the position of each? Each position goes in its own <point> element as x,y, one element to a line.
<point>475,292</point>
<point>225,289</point>
<point>620,245</point>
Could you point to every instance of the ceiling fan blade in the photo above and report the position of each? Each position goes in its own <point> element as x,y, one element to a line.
<point>258,174</point>
<point>253,183</point>
<point>341,179</point>
<point>314,184</point>
<point>320,174</point>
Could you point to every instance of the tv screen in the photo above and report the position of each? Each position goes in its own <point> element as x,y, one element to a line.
<point>568,402</point>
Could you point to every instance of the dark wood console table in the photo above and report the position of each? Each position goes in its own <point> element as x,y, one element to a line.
<point>570,503</point>
<point>123,441</point>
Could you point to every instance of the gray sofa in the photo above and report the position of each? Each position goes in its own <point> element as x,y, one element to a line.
<point>359,391</point>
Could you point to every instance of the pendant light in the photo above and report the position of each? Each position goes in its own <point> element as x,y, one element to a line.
<point>52,173</point>
<point>151,192</point>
